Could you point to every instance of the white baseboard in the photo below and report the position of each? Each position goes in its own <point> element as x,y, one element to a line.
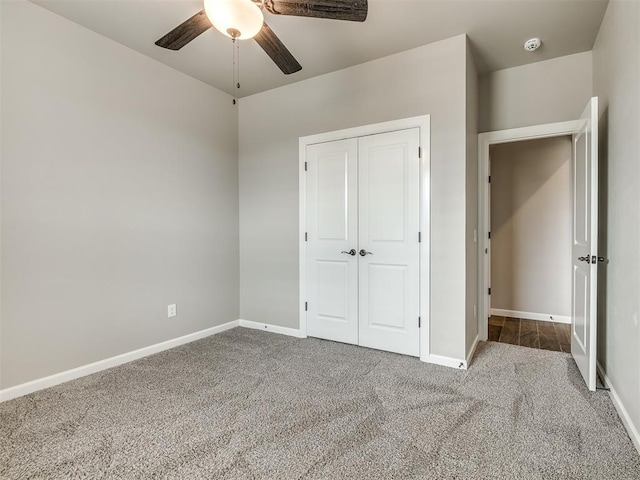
<point>58,378</point>
<point>292,332</point>
<point>543,317</point>
<point>446,361</point>
<point>473,350</point>
<point>622,411</point>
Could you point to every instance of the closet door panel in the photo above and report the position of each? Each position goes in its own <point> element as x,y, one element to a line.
<point>389,275</point>
<point>332,228</point>
<point>387,296</point>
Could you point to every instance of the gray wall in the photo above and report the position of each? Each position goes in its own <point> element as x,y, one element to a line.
<point>1,149</point>
<point>472,201</point>
<point>119,193</point>
<point>426,80</point>
<point>545,92</point>
<point>531,226</point>
<point>616,80</point>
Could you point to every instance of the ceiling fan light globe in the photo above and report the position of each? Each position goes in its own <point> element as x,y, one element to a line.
<point>228,16</point>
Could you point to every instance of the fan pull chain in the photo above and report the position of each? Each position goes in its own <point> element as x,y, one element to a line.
<point>235,45</point>
<point>233,67</point>
<point>238,66</point>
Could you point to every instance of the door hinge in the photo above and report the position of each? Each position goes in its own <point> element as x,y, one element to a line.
<point>489,178</point>
<point>489,290</point>
<point>489,234</point>
<point>306,305</point>
<point>419,237</point>
<point>305,166</point>
<point>419,323</point>
<point>306,236</point>
<point>419,152</point>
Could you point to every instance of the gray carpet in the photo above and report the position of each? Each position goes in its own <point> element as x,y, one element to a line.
<point>249,404</point>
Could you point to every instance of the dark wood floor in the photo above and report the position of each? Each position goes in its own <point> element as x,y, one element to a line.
<point>530,333</point>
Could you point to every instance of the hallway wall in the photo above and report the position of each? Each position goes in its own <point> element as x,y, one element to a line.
<point>531,227</point>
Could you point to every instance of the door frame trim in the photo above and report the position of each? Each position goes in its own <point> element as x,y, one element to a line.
<point>485,140</point>
<point>422,122</point>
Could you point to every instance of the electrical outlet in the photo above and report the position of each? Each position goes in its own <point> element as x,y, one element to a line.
<point>172,310</point>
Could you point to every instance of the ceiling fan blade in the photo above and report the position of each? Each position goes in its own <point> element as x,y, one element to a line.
<point>185,32</point>
<point>274,47</point>
<point>352,10</point>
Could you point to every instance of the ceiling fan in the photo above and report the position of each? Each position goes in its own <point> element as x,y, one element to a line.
<point>243,19</point>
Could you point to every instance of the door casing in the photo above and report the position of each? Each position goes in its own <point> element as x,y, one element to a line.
<point>422,122</point>
<point>485,140</point>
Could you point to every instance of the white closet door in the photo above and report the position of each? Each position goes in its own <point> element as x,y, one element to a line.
<point>332,230</point>
<point>389,194</point>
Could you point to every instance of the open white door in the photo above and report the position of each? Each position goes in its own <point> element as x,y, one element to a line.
<point>585,245</point>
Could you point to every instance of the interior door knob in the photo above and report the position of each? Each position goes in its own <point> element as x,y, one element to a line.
<point>364,253</point>
<point>351,252</point>
<point>585,259</point>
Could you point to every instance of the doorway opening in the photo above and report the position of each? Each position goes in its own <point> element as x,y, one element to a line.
<point>584,225</point>
<point>530,235</point>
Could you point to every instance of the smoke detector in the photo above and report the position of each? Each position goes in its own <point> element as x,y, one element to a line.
<point>532,44</point>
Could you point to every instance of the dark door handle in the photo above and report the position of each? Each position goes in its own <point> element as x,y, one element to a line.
<point>351,252</point>
<point>585,259</point>
<point>364,253</point>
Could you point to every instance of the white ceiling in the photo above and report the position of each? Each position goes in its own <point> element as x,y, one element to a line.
<point>496,28</point>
